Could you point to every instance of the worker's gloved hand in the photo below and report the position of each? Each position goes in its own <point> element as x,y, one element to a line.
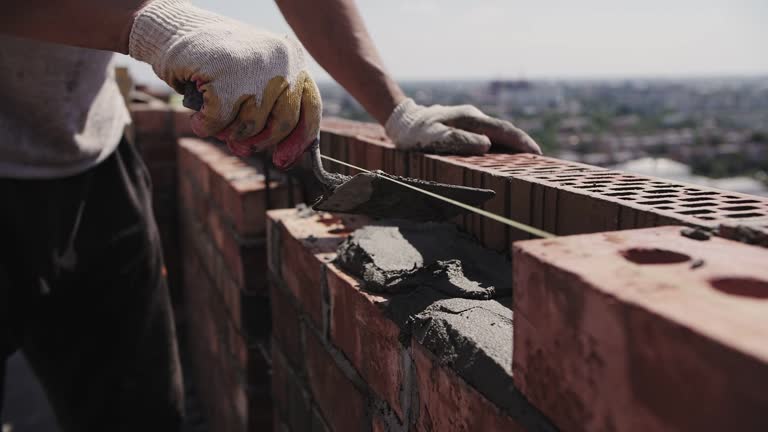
<point>462,129</point>
<point>256,90</point>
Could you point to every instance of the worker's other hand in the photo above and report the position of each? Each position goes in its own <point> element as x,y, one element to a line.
<point>256,91</point>
<point>462,129</point>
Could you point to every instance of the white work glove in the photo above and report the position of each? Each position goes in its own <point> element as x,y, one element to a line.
<point>462,129</point>
<point>256,90</point>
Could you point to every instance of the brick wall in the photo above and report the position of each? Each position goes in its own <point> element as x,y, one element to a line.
<point>348,360</point>
<point>155,129</point>
<point>331,356</point>
<point>222,207</point>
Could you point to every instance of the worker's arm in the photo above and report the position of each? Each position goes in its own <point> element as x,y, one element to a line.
<point>94,24</point>
<point>334,33</point>
<point>256,91</point>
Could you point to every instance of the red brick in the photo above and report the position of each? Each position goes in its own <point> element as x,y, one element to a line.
<point>342,404</point>
<point>496,234</point>
<point>602,342</point>
<point>448,403</point>
<point>306,245</point>
<point>368,338</point>
<point>579,213</point>
<point>150,119</point>
<point>279,381</point>
<point>285,326</point>
<point>301,274</point>
<point>182,125</point>
<point>521,200</point>
<point>156,149</point>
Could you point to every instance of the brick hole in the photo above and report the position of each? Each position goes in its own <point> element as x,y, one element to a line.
<point>697,193</point>
<point>694,199</point>
<point>741,201</point>
<point>707,217</point>
<point>627,188</point>
<point>745,215</point>
<point>739,208</point>
<point>660,191</point>
<point>653,256</point>
<point>665,207</point>
<point>567,184</point>
<point>741,286</point>
<point>632,183</point>
<point>730,196</point>
<point>695,212</point>
<point>662,196</point>
<point>667,185</point>
<point>620,194</point>
<point>699,204</point>
<point>600,176</point>
<point>655,202</point>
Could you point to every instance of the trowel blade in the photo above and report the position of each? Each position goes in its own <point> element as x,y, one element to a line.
<point>373,195</point>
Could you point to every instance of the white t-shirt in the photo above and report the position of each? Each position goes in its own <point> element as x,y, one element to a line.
<point>61,111</point>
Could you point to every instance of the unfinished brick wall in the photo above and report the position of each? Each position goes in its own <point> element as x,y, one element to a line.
<point>557,196</point>
<point>341,359</point>
<point>155,129</point>
<point>348,360</point>
<point>222,208</point>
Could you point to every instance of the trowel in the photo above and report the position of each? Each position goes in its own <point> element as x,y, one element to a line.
<point>374,193</point>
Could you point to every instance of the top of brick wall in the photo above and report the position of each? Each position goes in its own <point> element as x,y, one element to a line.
<point>559,196</point>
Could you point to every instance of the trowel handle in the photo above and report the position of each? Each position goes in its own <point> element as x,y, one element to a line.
<point>330,181</point>
<point>193,99</point>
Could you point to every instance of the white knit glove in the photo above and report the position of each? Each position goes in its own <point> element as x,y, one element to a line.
<point>461,129</point>
<point>256,90</point>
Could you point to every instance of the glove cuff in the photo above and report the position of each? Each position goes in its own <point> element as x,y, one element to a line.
<point>159,23</point>
<point>402,118</point>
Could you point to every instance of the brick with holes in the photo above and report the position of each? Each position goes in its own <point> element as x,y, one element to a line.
<point>642,330</point>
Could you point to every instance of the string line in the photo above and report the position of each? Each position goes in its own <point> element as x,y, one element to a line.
<point>514,224</point>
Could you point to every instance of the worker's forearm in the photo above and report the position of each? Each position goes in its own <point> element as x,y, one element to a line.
<point>334,33</point>
<point>98,24</point>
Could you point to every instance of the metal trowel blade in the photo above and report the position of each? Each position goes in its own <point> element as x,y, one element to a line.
<point>373,195</point>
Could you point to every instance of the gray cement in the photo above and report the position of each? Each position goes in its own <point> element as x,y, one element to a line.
<point>443,282</point>
<point>398,256</point>
<point>373,195</point>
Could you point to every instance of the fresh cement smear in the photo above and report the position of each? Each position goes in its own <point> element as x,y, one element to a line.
<point>398,256</point>
<point>374,194</point>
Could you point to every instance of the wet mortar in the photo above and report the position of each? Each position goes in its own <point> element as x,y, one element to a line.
<point>373,195</point>
<point>397,256</point>
<point>450,295</point>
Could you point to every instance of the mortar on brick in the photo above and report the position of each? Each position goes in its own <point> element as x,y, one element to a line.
<point>397,256</point>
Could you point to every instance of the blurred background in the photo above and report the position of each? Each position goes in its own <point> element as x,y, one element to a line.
<point>673,89</point>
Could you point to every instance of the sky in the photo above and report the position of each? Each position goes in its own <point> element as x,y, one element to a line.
<point>486,39</point>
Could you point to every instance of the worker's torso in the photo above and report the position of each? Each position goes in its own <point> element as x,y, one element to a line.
<point>60,109</point>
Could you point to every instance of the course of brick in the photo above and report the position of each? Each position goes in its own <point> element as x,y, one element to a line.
<point>155,130</point>
<point>558,196</point>
<point>348,360</point>
<point>643,330</point>
<point>313,350</point>
<point>222,207</point>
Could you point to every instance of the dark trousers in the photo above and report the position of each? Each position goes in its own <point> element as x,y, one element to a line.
<point>82,294</point>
